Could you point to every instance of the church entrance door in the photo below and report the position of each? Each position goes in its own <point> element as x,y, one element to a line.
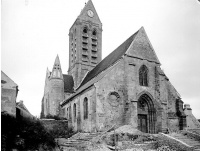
<point>142,123</point>
<point>146,114</point>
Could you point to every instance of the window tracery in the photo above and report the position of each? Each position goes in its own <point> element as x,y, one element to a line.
<point>143,76</point>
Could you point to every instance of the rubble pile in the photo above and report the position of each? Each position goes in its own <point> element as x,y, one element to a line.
<point>96,147</point>
<point>124,138</point>
<point>79,135</point>
<point>127,137</point>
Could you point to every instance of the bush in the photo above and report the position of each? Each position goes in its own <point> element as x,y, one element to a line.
<point>60,131</point>
<point>8,131</point>
<point>25,134</point>
<point>55,117</point>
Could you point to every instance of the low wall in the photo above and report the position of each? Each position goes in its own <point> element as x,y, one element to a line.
<point>50,124</point>
<point>192,134</point>
<point>58,128</point>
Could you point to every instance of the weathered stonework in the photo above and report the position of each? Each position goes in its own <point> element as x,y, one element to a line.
<point>8,101</point>
<point>117,93</point>
<point>108,112</point>
<point>53,91</point>
<point>126,87</point>
<point>192,122</point>
<point>9,90</point>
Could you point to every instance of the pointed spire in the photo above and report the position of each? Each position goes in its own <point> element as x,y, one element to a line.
<point>57,71</point>
<point>89,12</point>
<point>57,60</point>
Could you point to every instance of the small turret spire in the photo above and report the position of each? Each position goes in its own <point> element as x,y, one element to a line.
<point>57,71</point>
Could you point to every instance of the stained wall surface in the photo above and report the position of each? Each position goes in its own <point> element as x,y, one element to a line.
<point>9,90</point>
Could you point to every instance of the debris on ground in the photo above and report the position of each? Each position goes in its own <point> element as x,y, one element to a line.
<point>124,138</point>
<point>126,129</point>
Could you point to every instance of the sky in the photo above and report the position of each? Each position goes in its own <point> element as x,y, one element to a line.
<point>33,32</point>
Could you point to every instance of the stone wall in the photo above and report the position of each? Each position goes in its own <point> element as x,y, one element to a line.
<point>134,90</point>
<point>9,91</point>
<point>192,122</point>
<point>51,123</point>
<point>56,95</point>
<point>111,96</point>
<point>79,123</point>
<point>8,101</point>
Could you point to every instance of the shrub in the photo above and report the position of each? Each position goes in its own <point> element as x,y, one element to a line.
<point>25,134</point>
<point>55,117</point>
<point>8,131</point>
<point>60,131</point>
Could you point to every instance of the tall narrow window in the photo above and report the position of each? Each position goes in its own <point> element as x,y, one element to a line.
<point>74,108</point>
<point>70,115</point>
<point>85,30</point>
<point>143,76</point>
<point>94,32</point>
<point>85,108</point>
<point>67,116</point>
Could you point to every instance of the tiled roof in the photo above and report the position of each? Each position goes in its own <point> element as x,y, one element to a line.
<point>21,106</point>
<point>109,60</point>
<point>68,83</point>
<point>7,82</point>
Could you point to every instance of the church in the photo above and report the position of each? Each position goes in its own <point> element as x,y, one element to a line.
<point>128,87</point>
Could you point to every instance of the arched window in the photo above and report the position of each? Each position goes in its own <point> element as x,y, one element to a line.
<point>74,110</point>
<point>85,30</point>
<point>85,108</point>
<point>143,76</point>
<point>70,115</point>
<point>94,32</point>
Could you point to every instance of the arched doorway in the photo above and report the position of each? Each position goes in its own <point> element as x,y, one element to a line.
<point>146,114</point>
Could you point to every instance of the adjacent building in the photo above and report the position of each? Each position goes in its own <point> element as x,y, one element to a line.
<point>9,91</point>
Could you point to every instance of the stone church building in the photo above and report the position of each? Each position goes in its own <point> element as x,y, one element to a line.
<point>126,87</point>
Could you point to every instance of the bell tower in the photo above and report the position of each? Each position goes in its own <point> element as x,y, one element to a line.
<point>85,43</point>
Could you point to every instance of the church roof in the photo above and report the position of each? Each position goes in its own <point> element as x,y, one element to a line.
<point>68,83</point>
<point>144,51</point>
<point>132,46</point>
<point>109,60</point>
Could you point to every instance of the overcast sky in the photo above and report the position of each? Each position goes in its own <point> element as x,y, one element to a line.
<point>33,32</point>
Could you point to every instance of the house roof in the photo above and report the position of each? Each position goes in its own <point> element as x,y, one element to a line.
<point>22,106</point>
<point>109,60</point>
<point>68,83</point>
<point>7,82</point>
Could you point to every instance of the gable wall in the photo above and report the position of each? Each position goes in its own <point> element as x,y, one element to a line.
<point>163,94</point>
<point>110,112</point>
<point>173,119</point>
<point>8,100</point>
<point>134,90</point>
